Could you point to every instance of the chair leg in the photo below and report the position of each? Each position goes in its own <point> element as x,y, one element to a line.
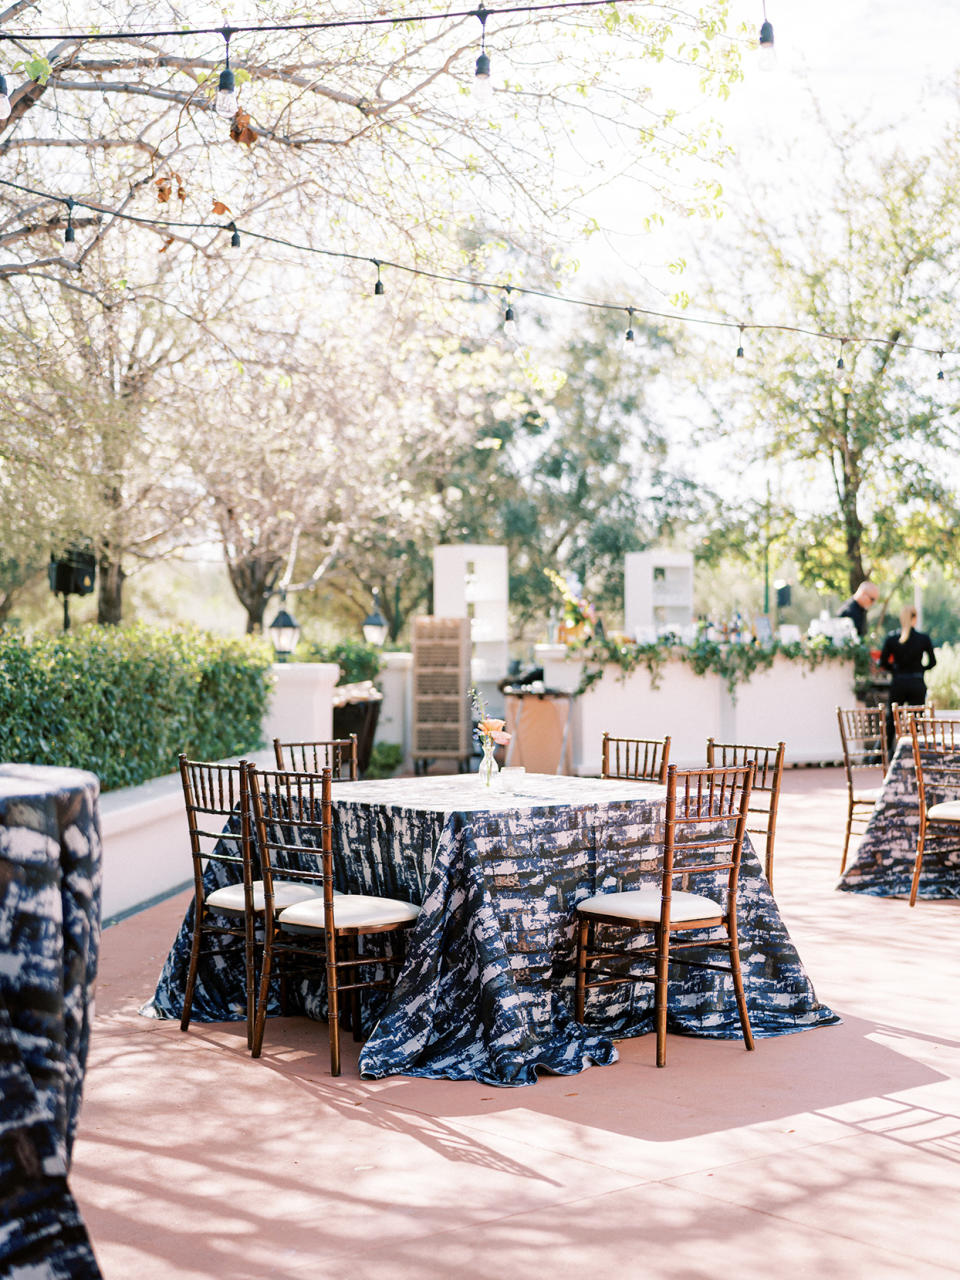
<point>739,992</point>
<point>583,929</point>
<point>846,839</point>
<point>917,865</point>
<point>249,957</point>
<point>333,1007</point>
<point>355,952</point>
<point>660,993</point>
<point>192,968</point>
<point>262,1000</point>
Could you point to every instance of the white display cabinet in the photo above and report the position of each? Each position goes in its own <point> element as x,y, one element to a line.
<point>657,593</point>
<point>471,580</point>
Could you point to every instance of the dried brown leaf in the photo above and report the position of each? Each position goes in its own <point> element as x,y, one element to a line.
<point>220,208</point>
<point>164,189</point>
<point>166,245</point>
<point>240,130</point>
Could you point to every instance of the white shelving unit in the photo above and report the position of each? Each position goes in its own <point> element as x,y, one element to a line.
<point>658,592</point>
<point>471,580</point>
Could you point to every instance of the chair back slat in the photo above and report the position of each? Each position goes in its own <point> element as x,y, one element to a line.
<point>902,714</point>
<point>863,736</point>
<point>292,828</point>
<point>213,794</point>
<point>768,762</point>
<point>936,757</point>
<point>646,759</point>
<point>717,798</point>
<point>339,755</point>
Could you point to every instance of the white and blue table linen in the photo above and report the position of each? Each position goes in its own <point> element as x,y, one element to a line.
<point>884,862</point>
<point>50,868</point>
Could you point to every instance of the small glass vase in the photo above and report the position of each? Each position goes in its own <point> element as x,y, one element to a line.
<point>488,766</point>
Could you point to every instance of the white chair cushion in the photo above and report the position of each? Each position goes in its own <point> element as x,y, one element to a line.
<point>352,911</point>
<point>869,795</point>
<point>946,811</point>
<point>644,904</point>
<point>285,894</point>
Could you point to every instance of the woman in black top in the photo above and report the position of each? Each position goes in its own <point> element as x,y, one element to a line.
<point>903,655</point>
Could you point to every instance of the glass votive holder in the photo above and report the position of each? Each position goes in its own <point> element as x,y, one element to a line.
<point>511,777</point>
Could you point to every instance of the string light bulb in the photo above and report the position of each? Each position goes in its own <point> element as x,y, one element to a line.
<point>738,360</point>
<point>5,107</point>
<point>510,330</point>
<point>840,365</point>
<point>940,377</point>
<point>768,52</point>
<point>225,103</point>
<point>629,338</point>
<point>482,84</point>
<point>69,235</point>
<point>235,238</point>
<point>378,289</point>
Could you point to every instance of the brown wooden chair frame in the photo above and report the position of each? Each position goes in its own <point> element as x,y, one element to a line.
<point>932,738</point>
<point>696,798</point>
<point>904,712</point>
<point>863,736</point>
<point>219,791</point>
<point>337,754</point>
<point>306,846</point>
<point>764,793</point>
<point>646,759</point>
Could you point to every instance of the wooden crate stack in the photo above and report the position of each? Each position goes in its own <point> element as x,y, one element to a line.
<point>442,724</point>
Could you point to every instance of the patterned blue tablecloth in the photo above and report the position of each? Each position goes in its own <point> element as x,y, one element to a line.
<point>50,868</point>
<point>486,990</point>
<point>884,862</point>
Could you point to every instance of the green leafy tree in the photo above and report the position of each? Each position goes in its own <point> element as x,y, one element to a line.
<point>859,453</point>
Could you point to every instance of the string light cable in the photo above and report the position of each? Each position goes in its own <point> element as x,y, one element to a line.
<point>490,287</point>
<point>330,24</point>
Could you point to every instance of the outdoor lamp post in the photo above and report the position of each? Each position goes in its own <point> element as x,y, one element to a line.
<point>284,634</point>
<point>375,625</point>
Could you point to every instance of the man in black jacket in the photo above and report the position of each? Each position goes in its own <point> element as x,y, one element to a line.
<point>856,607</point>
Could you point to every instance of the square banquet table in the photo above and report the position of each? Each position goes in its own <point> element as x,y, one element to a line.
<point>50,870</point>
<point>486,989</point>
<point>884,862</point>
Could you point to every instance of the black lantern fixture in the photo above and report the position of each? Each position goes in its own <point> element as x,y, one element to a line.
<point>284,633</point>
<point>72,573</point>
<point>375,626</point>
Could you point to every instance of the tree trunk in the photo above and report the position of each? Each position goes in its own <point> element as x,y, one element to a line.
<point>254,579</point>
<point>110,591</point>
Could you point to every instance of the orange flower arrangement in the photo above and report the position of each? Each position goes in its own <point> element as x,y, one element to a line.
<point>490,731</point>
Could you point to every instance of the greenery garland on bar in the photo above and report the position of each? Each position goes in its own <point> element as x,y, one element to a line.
<point>735,663</point>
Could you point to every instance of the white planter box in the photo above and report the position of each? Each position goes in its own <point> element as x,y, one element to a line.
<point>788,702</point>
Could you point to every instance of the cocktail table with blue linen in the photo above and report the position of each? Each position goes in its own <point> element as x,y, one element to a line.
<point>486,989</point>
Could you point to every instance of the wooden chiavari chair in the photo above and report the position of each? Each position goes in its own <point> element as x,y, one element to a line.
<point>706,819</point>
<point>863,735</point>
<point>765,792</point>
<point>339,755</point>
<point>902,715</point>
<point>936,757</point>
<point>213,794</point>
<point>644,758</point>
<point>292,830</point>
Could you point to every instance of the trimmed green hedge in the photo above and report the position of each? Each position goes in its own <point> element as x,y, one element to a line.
<point>123,702</point>
<point>357,660</point>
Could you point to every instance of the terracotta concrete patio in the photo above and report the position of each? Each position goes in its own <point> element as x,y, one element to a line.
<point>832,1152</point>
